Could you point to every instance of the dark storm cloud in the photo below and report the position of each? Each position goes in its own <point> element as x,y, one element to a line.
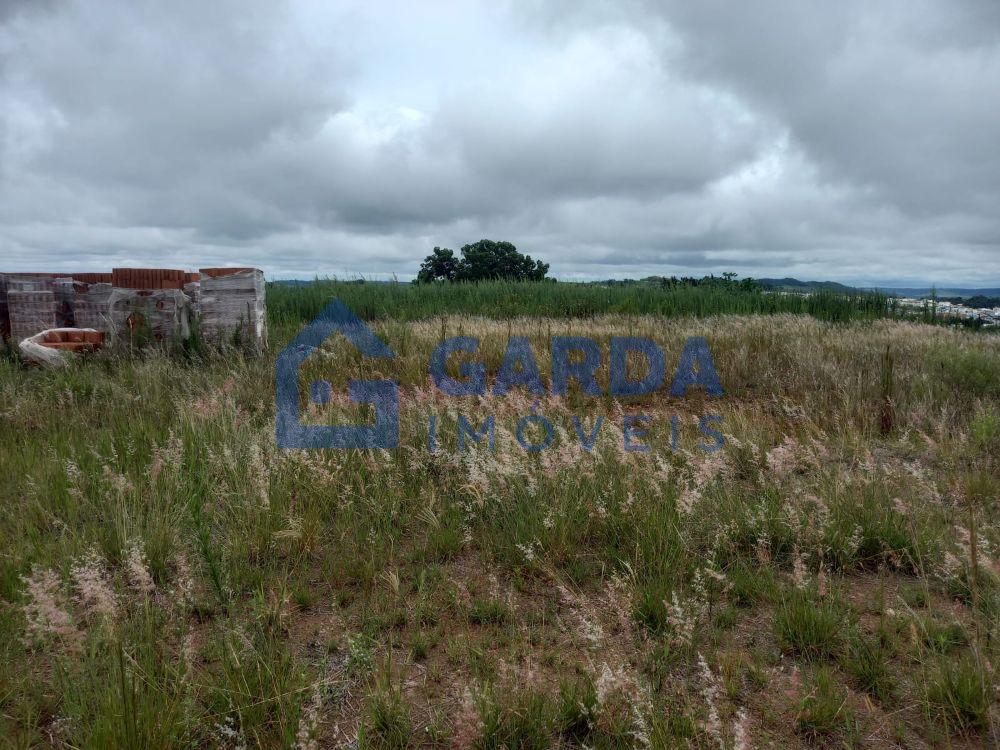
<point>901,96</point>
<point>849,140</point>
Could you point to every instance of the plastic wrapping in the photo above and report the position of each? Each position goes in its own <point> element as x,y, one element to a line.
<point>34,350</point>
<point>30,304</point>
<point>232,301</point>
<point>90,307</point>
<point>149,314</point>
<point>65,296</point>
<point>137,304</point>
<point>27,282</point>
<point>4,312</point>
<point>30,311</point>
<point>193,290</point>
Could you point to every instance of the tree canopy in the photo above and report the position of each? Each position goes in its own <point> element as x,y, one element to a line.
<point>481,261</point>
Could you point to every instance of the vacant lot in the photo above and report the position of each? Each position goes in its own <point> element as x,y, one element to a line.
<point>168,578</point>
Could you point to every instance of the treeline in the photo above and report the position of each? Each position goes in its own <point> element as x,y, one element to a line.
<point>726,281</point>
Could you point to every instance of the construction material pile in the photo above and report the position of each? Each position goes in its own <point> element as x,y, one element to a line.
<point>31,305</point>
<point>156,314</point>
<point>91,304</point>
<point>136,305</point>
<point>232,303</point>
<point>4,310</point>
<point>64,296</point>
<point>51,348</point>
<point>147,278</point>
<point>72,339</point>
<point>192,288</point>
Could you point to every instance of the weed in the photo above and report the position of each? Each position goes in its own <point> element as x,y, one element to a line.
<point>914,596</point>
<point>388,725</point>
<point>577,709</point>
<point>959,694</point>
<point>420,646</point>
<point>522,720</point>
<point>808,626</point>
<point>867,661</point>
<point>650,607</point>
<point>360,658</point>
<point>984,430</point>
<point>751,585</point>
<point>303,597</point>
<point>942,637</point>
<point>823,709</point>
<point>488,612</point>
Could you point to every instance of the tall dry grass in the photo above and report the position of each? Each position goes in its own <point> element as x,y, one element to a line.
<point>169,578</point>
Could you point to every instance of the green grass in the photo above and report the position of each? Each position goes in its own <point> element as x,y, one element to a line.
<point>943,637</point>
<point>577,710</point>
<point>868,661</point>
<point>289,305</point>
<point>959,693</point>
<point>810,627</point>
<point>823,710</point>
<point>573,597</point>
<point>488,612</point>
<point>388,725</point>
<point>522,720</point>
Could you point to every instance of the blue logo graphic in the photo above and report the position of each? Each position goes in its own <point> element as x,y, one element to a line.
<point>572,358</point>
<point>383,394</point>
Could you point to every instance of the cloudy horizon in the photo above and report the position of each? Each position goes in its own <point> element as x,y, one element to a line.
<point>852,142</point>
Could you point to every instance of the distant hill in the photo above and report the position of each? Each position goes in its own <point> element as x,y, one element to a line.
<point>979,300</point>
<point>794,285</point>
<point>942,291</point>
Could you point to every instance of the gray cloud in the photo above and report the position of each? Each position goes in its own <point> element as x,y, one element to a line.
<point>848,141</point>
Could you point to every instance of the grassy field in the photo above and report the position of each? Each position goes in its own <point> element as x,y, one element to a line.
<point>168,578</point>
<point>289,304</point>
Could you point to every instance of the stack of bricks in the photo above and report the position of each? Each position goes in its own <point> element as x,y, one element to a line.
<point>90,307</point>
<point>155,300</point>
<point>73,341</point>
<point>192,287</point>
<point>147,278</point>
<point>232,303</point>
<point>65,297</point>
<point>4,313</point>
<point>31,304</point>
<point>160,314</point>
<point>92,278</point>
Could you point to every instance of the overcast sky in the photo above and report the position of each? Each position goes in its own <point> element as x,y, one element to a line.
<point>852,141</point>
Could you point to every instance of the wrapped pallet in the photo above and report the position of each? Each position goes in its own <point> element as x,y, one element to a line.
<point>91,306</point>
<point>30,311</point>
<point>193,290</point>
<point>29,282</point>
<point>232,304</point>
<point>141,315</point>
<point>55,347</point>
<point>65,297</point>
<point>4,314</point>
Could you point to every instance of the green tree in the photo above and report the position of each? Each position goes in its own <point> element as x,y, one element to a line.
<point>481,261</point>
<point>440,265</point>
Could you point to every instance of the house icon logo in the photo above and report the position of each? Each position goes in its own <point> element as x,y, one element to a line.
<point>383,394</point>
